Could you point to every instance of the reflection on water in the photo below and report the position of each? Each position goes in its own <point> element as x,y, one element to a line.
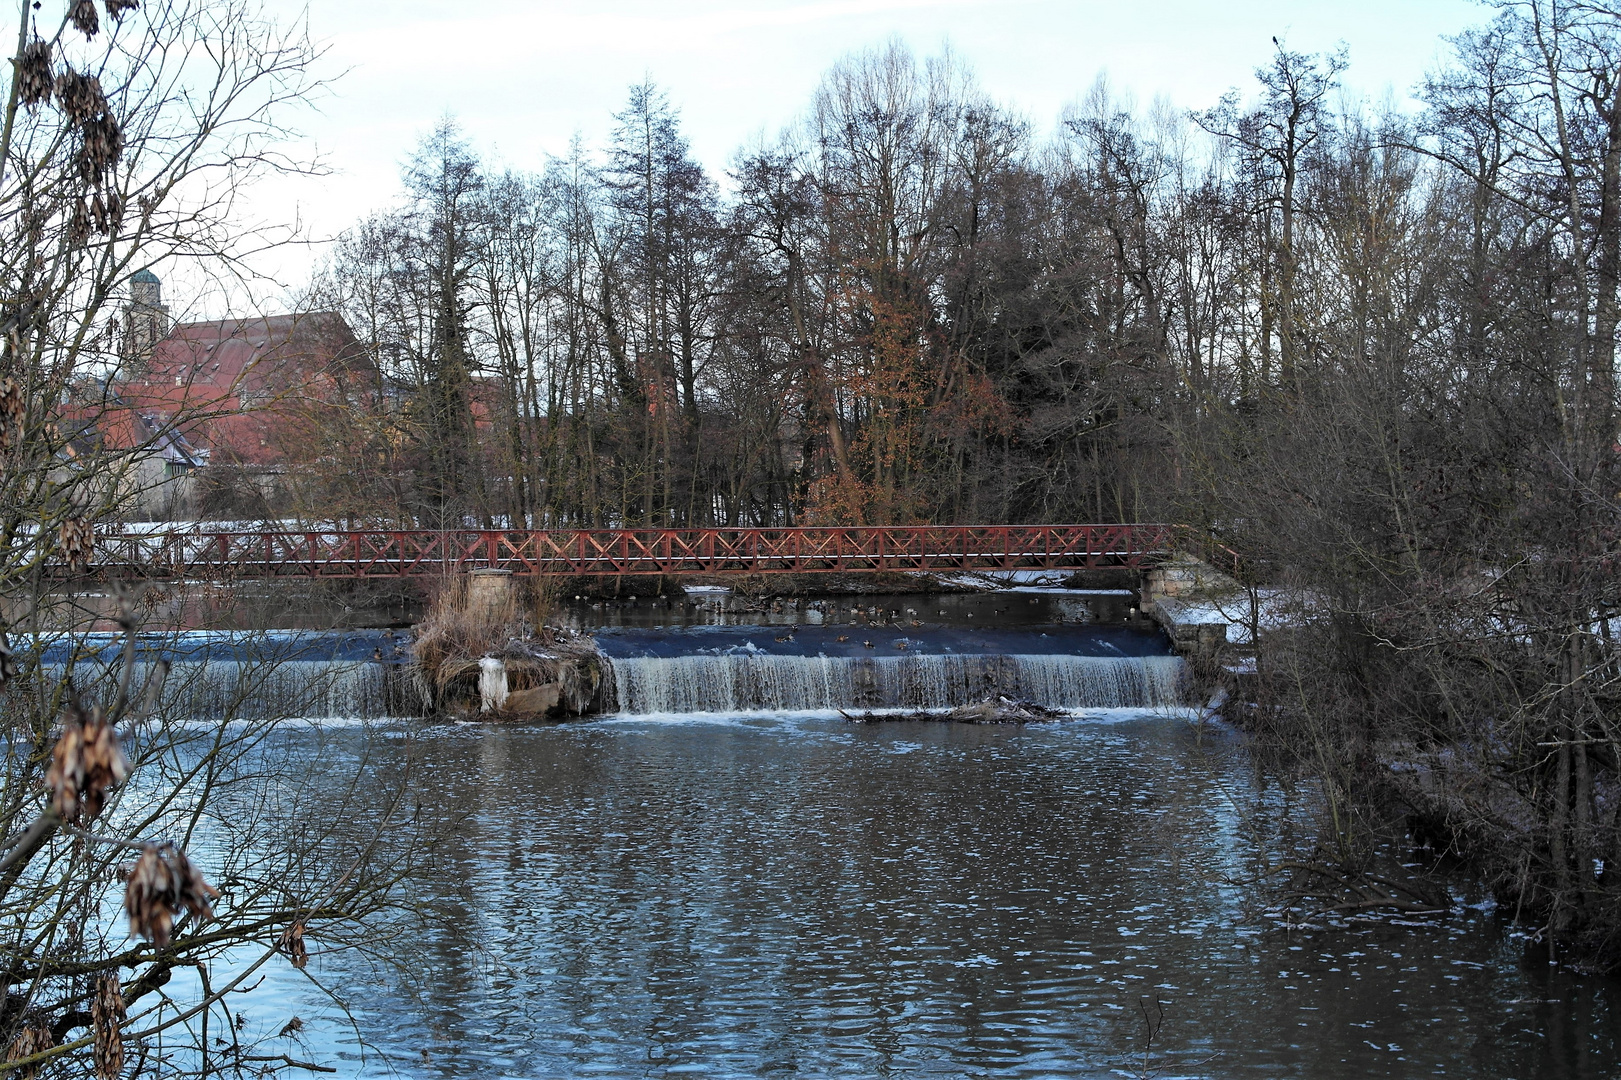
<point>796,896</point>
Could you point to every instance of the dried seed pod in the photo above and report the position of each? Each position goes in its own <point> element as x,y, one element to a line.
<point>34,225</point>
<point>117,8</point>
<point>162,883</point>
<point>34,79</point>
<point>86,763</point>
<point>78,541</point>
<point>291,943</point>
<point>79,224</point>
<point>106,1020</point>
<point>11,412</point>
<point>34,1038</point>
<point>85,18</point>
<point>80,97</point>
<point>100,146</point>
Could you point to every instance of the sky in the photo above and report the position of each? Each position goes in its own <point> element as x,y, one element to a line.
<point>523,77</point>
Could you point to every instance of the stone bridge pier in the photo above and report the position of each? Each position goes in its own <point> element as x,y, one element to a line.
<point>1196,605</point>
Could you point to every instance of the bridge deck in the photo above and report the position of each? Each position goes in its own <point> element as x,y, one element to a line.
<point>202,555</point>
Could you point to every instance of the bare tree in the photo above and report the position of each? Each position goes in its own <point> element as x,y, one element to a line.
<point>127,134</point>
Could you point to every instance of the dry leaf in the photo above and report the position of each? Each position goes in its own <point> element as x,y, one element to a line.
<point>34,79</point>
<point>291,943</point>
<point>107,1018</point>
<point>34,1038</point>
<point>78,540</point>
<point>11,413</point>
<point>85,18</point>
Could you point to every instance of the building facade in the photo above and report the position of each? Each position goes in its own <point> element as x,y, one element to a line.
<point>227,413</point>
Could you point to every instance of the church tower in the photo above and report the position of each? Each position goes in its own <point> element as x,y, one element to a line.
<point>146,319</point>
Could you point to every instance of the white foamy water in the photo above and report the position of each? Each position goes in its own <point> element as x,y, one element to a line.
<point>743,681</point>
<point>313,689</point>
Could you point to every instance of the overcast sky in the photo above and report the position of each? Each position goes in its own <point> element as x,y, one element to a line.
<point>524,76</point>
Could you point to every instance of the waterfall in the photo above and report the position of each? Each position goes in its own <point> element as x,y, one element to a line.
<point>492,684</point>
<point>220,675</point>
<point>239,689</point>
<point>741,682</point>
<point>309,688</point>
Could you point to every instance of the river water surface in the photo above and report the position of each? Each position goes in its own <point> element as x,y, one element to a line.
<point>760,894</point>
<point>793,895</point>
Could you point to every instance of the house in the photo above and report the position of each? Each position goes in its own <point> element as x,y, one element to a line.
<point>240,404</point>
<point>147,466</point>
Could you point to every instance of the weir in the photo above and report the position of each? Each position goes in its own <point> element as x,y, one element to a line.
<point>218,675</point>
<point>1073,652</point>
<point>313,689</point>
<point>774,683</point>
<point>747,669</point>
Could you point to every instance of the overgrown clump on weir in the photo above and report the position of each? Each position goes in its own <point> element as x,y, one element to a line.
<point>458,633</point>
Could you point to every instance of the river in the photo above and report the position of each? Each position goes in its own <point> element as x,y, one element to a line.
<point>802,896</point>
<point>787,893</point>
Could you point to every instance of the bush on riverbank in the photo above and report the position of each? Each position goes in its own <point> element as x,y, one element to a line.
<point>1477,710</point>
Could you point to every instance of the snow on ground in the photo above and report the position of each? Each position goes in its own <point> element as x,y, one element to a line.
<point>1059,590</point>
<point>142,528</point>
<point>1277,608</point>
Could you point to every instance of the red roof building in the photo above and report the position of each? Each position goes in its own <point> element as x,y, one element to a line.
<point>253,391</point>
<point>201,406</point>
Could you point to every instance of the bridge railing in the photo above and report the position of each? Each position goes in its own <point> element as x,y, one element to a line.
<point>213,555</point>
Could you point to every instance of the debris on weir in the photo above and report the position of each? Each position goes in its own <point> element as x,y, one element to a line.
<point>995,710</point>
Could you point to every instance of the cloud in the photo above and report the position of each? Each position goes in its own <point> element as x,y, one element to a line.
<point>524,77</point>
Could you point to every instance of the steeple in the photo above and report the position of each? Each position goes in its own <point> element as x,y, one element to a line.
<point>146,319</point>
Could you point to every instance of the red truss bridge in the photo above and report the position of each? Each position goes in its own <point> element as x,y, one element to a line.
<point>386,553</point>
